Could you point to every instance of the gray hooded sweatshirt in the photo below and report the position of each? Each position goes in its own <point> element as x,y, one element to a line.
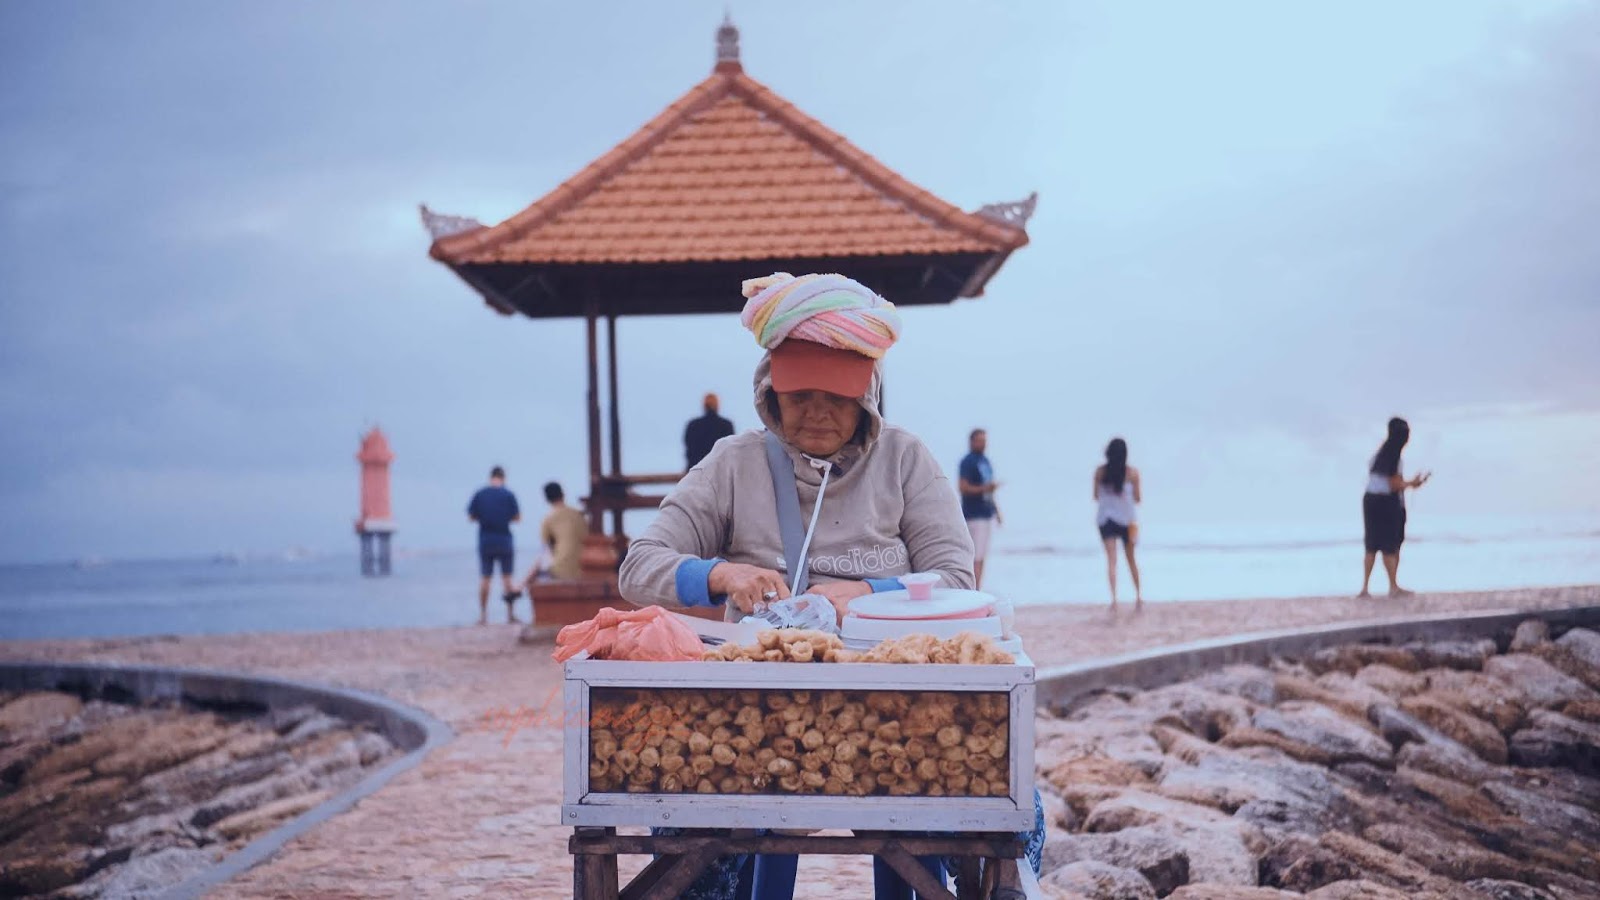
<point>888,510</point>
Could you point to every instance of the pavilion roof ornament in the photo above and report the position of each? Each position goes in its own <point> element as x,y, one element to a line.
<point>440,225</point>
<point>1016,213</point>
<point>727,45</point>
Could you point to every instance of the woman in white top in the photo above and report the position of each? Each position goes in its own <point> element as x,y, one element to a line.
<point>1383,507</point>
<point>1116,491</point>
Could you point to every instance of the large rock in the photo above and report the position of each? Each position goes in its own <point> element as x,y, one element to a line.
<point>150,874</point>
<point>1265,789</point>
<point>1356,697</point>
<point>1097,881</point>
<point>1253,683</point>
<point>1340,738</point>
<point>1543,684</point>
<point>15,759</point>
<point>1445,758</point>
<point>163,746</point>
<point>1352,658</point>
<point>1466,655</point>
<point>372,747</point>
<point>1557,741</point>
<point>1490,699</point>
<point>1542,811</point>
<point>251,822</point>
<point>1460,799</point>
<point>1153,853</point>
<point>1293,687</point>
<point>1497,889</point>
<point>246,796</point>
<point>1456,860</point>
<point>1438,711</point>
<point>111,738</point>
<point>1084,770</point>
<point>42,872</point>
<point>37,714</point>
<point>1057,814</point>
<point>1341,857</point>
<point>1583,710</point>
<point>1219,847</point>
<point>1205,713</point>
<point>1391,681</point>
<point>1106,726</point>
<point>1576,653</point>
<point>1530,634</point>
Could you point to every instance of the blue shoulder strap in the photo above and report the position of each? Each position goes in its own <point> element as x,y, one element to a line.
<point>789,524</point>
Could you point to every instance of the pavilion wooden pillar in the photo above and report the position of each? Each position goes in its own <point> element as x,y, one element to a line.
<point>618,538</point>
<point>596,519</point>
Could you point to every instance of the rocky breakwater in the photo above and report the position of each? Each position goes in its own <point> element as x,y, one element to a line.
<point>106,799</point>
<point>1461,770</point>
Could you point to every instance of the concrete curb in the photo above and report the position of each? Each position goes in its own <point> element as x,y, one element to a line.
<point>410,729</point>
<point>1059,685</point>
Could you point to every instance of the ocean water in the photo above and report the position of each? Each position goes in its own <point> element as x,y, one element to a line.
<point>316,592</point>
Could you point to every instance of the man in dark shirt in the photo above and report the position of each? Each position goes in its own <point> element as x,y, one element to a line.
<point>977,498</point>
<point>700,434</point>
<point>494,508</point>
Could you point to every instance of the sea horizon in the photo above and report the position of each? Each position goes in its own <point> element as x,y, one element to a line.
<point>299,588</point>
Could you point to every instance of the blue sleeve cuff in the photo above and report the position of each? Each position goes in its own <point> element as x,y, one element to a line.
<point>691,580</point>
<point>879,585</point>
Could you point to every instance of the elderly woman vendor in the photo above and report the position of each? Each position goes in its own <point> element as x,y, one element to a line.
<point>887,509</point>
<point>875,500</point>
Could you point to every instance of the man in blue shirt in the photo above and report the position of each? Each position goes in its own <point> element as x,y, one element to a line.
<point>977,498</point>
<point>494,508</point>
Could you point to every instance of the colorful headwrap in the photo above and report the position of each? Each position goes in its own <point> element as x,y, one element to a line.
<point>831,310</point>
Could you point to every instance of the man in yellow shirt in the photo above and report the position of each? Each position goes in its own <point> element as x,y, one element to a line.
<point>563,531</point>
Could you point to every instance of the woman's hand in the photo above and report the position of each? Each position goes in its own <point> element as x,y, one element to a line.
<point>746,585</point>
<point>840,593</point>
<point>1421,479</point>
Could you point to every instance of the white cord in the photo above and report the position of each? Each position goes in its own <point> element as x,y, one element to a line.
<point>826,468</point>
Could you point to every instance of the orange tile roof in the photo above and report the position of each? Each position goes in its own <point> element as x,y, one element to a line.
<point>731,171</point>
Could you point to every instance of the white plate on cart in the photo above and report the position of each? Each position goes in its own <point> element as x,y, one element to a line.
<point>942,605</point>
<point>857,628</point>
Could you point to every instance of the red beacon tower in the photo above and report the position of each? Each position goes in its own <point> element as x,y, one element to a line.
<point>376,523</point>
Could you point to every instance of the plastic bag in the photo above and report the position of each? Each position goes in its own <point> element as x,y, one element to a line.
<point>649,634</point>
<point>809,611</point>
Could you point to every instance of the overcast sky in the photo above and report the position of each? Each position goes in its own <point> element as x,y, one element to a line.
<point>1263,228</point>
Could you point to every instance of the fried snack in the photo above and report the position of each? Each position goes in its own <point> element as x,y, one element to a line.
<point>807,742</point>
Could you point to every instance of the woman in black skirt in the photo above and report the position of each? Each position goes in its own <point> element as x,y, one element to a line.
<point>1383,509</point>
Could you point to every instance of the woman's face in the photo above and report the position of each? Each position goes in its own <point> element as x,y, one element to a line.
<point>817,422</point>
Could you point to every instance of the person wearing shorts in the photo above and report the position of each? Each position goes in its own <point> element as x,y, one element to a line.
<point>977,487</point>
<point>494,508</point>
<point>1116,495</point>
<point>1383,508</point>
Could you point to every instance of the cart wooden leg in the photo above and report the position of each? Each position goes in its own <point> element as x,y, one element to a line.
<point>968,885</point>
<point>907,867</point>
<point>594,875</point>
<point>677,877</point>
<point>646,879</point>
<point>1009,886</point>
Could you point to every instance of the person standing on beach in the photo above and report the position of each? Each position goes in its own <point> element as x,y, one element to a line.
<point>1116,495</point>
<point>563,531</point>
<point>494,508</point>
<point>977,486</point>
<point>701,434</point>
<point>1383,507</point>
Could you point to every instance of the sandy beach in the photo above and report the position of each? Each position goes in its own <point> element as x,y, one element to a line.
<point>477,818</point>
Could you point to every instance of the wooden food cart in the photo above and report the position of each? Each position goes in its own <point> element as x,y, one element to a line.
<point>913,760</point>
